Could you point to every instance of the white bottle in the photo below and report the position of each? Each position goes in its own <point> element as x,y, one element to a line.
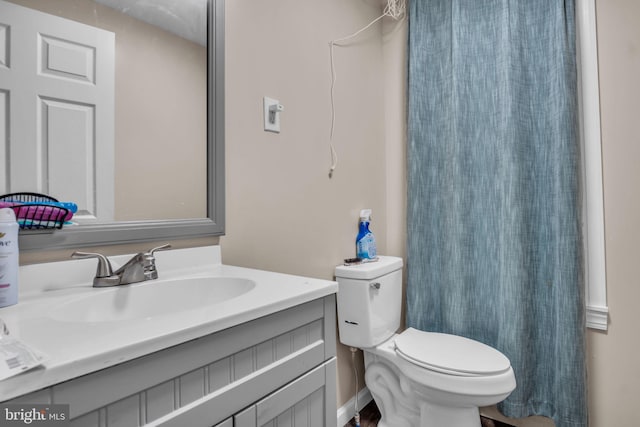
<point>8,258</point>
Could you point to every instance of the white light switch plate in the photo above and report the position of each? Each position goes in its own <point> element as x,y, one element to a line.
<point>268,126</point>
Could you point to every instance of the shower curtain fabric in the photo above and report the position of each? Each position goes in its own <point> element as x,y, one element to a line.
<point>494,227</point>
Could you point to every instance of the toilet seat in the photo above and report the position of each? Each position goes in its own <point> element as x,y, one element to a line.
<point>450,354</point>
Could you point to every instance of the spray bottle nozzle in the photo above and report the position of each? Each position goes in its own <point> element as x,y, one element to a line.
<point>365,215</point>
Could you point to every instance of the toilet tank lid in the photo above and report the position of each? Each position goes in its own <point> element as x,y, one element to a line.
<point>369,270</point>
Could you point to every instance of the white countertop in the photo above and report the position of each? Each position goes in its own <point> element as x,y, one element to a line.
<point>78,348</point>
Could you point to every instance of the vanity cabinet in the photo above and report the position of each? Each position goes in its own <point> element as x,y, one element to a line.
<point>278,369</point>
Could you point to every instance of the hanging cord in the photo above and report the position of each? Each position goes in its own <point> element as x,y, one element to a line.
<point>355,374</point>
<point>395,9</point>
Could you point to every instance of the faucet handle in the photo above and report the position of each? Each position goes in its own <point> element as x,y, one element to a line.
<point>160,248</point>
<point>104,266</point>
<point>148,262</point>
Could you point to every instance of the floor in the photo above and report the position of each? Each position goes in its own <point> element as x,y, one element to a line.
<point>369,417</point>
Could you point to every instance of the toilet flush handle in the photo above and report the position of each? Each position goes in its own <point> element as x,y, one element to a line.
<point>375,285</point>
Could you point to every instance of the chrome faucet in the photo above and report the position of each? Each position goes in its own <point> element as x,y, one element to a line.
<point>138,269</point>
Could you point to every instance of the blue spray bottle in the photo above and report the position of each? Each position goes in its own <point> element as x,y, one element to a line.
<point>366,242</point>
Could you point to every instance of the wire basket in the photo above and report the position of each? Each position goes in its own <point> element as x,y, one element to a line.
<point>34,211</point>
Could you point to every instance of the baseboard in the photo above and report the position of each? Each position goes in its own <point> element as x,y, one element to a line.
<point>345,412</point>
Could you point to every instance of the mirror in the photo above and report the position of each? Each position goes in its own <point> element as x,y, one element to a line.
<point>162,177</point>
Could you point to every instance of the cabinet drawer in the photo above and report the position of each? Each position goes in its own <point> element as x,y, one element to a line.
<point>308,401</point>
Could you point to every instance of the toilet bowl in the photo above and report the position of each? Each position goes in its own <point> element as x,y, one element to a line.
<point>417,378</point>
<point>440,395</point>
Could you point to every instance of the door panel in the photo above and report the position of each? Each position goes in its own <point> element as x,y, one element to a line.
<point>246,418</point>
<point>226,423</point>
<point>57,77</point>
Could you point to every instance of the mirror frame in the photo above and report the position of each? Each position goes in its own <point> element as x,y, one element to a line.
<point>144,231</point>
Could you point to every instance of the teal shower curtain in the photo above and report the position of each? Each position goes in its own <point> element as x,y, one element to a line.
<point>494,227</point>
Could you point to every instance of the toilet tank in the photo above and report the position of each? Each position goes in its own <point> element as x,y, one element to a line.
<point>369,301</point>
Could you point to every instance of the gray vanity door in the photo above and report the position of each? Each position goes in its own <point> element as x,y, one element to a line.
<point>246,418</point>
<point>301,403</point>
<point>227,423</point>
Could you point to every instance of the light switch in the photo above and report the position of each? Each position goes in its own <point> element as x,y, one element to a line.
<point>272,110</point>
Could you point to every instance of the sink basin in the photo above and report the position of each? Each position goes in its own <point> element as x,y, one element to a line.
<point>151,299</point>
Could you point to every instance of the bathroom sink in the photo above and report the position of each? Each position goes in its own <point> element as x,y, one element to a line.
<point>151,299</point>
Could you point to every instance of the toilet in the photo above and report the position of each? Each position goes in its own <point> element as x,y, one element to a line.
<point>417,378</point>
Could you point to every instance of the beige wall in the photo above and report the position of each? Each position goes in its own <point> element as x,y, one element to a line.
<point>614,370</point>
<point>284,213</point>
